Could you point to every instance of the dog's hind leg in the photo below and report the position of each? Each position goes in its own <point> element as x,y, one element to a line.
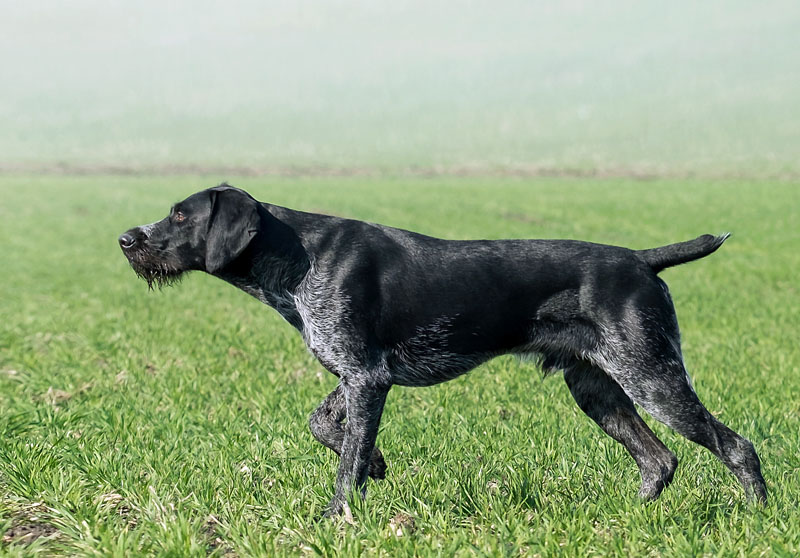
<point>326,426</point>
<point>606,403</point>
<point>662,388</point>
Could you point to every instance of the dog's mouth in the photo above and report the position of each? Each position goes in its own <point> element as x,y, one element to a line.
<point>156,273</point>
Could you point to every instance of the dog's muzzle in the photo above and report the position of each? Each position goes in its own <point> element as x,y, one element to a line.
<point>154,266</point>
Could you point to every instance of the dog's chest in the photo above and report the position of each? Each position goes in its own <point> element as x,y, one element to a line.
<point>326,328</point>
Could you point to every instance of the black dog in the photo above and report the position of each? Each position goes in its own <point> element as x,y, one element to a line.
<point>380,306</point>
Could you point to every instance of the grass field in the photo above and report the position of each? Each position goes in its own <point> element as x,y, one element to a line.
<point>136,423</point>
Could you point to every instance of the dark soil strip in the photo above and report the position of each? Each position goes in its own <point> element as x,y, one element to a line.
<point>300,171</point>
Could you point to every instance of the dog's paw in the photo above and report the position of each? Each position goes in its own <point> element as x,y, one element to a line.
<point>377,466</point>
<point>756,492</point>
<point>338,510</point>
<point>332,510</point>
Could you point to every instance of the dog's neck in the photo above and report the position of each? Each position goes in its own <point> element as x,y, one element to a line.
<point>274,287</point>
<point>277,265</point>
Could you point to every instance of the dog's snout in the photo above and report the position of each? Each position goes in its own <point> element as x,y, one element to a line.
<point>127,240</point>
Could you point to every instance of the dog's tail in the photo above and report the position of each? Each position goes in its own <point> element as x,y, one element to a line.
<point>675,254</point>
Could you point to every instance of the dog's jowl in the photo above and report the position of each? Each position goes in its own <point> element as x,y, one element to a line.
<point>380,306</point>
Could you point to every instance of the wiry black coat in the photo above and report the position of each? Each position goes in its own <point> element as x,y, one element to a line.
<point>380,306</point>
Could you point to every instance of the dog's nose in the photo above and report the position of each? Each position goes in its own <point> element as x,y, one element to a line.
<point>126,241</point>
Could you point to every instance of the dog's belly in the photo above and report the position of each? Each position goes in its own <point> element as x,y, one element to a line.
<point>430,356</point>
<point>439,351</point>
<point>426,369</point>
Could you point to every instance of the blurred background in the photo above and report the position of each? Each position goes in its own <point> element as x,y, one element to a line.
<point>619,88</point>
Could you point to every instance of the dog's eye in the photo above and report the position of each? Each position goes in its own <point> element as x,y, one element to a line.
<point>179,217</point>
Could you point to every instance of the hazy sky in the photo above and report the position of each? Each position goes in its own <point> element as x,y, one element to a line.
<point>690,85</point>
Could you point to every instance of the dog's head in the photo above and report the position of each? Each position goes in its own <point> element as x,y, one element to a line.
<point>205,232</point>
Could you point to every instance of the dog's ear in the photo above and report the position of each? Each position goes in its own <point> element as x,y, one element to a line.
<point>232,224</point>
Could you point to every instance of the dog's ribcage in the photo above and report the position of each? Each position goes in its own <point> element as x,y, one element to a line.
<point>328,331</point>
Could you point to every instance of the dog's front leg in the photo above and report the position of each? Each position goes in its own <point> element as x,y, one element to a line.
<point>326,426</point>
<point>364,400</point>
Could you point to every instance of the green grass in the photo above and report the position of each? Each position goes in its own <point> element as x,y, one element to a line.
<point>174,423</point>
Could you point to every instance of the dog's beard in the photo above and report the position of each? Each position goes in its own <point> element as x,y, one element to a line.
<point>158,274</point>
